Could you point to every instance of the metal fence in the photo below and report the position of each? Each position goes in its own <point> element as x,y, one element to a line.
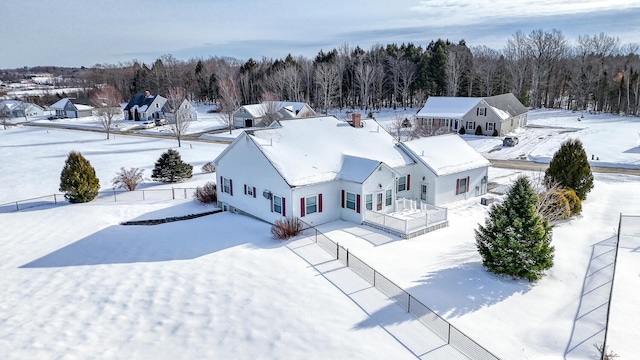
<point>423,313</point>
<point>107,195</point>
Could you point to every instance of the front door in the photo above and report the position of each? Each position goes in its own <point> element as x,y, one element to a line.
<point>248,123</point>
<point>379,201</point>
<point>423,192</point>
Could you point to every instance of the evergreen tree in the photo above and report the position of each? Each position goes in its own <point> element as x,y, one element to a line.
<point>170,168</point>
<point>78,179</point>
<point>570,168</point>
<point>515,239</point>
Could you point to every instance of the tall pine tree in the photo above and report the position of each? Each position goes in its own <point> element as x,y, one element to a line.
<point>570,168</point>
<point>516,240</point>
<point>170,168</point>
<point>78,179</point>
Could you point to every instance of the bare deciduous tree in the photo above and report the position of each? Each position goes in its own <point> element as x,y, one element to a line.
<point>4,118</point>
<point>128,179</point>
<point>107,106</point>
<point>271,106</point>
<point>176,112</point>
<point>229,98</point>
<point>326,77</point>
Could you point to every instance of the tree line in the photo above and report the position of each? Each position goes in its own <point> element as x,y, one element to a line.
<point>542,68</point>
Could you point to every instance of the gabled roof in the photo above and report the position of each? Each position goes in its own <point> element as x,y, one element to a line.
<point>506,103</point>
<point>319,149</point>
<point>444,107</point>
<point>140,101</point>
<point>255,110</point>
<point>13,104</point>
<point>445,154</point>
<point>260,110</point>
<point>60,104</point>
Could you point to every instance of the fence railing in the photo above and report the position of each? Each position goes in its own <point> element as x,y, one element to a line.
<point>409,222</point>
<point>106,195</point>
<point>423,313</point>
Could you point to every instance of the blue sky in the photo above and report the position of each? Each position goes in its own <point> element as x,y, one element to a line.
<point>85,32</point>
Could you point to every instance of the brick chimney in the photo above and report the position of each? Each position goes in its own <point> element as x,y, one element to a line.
<point>147,93</point>
<point>355,120</point>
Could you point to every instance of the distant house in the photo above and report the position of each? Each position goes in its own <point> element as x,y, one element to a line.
<point>18,109</point>
<point>254,115</point>
<point>186,107</point>
<point>144,107</point>
<point>72,109</point>
<point>324,169</point>
<point>501,113</point>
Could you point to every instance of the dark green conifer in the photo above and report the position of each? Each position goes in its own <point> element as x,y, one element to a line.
<point>570,168</point>
<point>78,179</point>
<point>170,168</point>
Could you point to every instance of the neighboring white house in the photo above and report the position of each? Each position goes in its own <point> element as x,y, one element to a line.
<point>17,109</point>
<point>324,169</point>
<point>187,109</point>
<point>67,108</point>
<point>254,115</point>
<point>144,107</point>
<point>501,113</point>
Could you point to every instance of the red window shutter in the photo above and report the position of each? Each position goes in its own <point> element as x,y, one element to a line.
<point>301,207</point>
<point>254,191</point>
<point>408,182</point>
<point>320,203</point>
<point>284,208</point>
<point>245,189</point>
<point>358,203</point>
<point>230,187</point>
<point>467,184</point>
<point>457,186</point>
<point>342,198</point>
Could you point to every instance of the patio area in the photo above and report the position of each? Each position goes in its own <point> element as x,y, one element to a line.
<point>411,218</point>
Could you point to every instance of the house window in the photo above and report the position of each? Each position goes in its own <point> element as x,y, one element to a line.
<point>402,183</point>
<point>490,126</point>
<point>310,204</point>
<point>482,111</point>
<point>250,190</point>
<point>351,201</point>
<point>227,185</point>
<point>368,201</point>
<point>277,204</point>
<point>462,185</point>
<point>388,198</point>
<point>157,105</point>
<point>471,125</point>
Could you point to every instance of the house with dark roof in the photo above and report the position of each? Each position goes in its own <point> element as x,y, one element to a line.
<point>499,114</point>
<point>144,107</point>
<point>71,108</point>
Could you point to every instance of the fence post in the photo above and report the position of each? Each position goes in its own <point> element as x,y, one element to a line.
<point>114,196</point>
<point>449,333</point>
<point>337,251</point>
<point>347,257</point>
<point>143,195</point>
<point>17,208</point>
<point>409,303</point>
<point>185,193</point>
<point>55,200</point>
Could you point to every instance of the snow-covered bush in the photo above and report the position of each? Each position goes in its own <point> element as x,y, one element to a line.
<point>286,228</point>
<point>206,194</point>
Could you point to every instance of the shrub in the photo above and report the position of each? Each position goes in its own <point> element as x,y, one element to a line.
<point>553,205</point>
<point>208,168</point>
<point>170,168</point>
<point>478,130</point>
<point>206,194</point>
<point>575,204</point>
<point>286,228</point>
<point>570,168</point>
<point>495,133</point>
<point>128,179</point>
<point>462,131</point>
<point>78,179</point>
<point>516,240</point>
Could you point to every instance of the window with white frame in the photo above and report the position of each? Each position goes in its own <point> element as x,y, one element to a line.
<point>482,111</point>
<point>490,126</point>
<point>402,183</point>
<point>462,185</point>
<point>388,198</point>
<point>249,190</point>
<point>226,185</point>
<point>311,204</point>
<point>351,201</point>
<point>471,125</point>
<point>277,204</point>
<point>368,201</point>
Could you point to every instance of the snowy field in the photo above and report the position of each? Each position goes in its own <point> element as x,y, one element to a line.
<point>76,284</point>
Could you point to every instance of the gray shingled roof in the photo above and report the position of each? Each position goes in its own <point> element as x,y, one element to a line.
<point>507,102</point>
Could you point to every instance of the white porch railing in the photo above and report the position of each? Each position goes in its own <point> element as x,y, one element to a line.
<point>410,217</point>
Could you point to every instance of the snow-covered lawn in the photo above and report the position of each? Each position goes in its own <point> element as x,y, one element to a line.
<point>76,284</point>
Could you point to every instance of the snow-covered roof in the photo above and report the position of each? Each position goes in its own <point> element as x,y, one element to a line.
<point>324,148</point>
<point>60,104</point>
<point>446,154</point>
<point>256,110</point>
<point>443,107</point>
<point>83,107</point>
<point>13,104</point>
<point>260,110</point>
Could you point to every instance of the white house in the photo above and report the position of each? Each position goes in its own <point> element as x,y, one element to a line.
<point>144,107</point>
<point>67,108</point>
<point>324,169</point>
<point>501,113</point>
<point>253,115</point>
<point>186,109</point>
<point>18,109</point>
